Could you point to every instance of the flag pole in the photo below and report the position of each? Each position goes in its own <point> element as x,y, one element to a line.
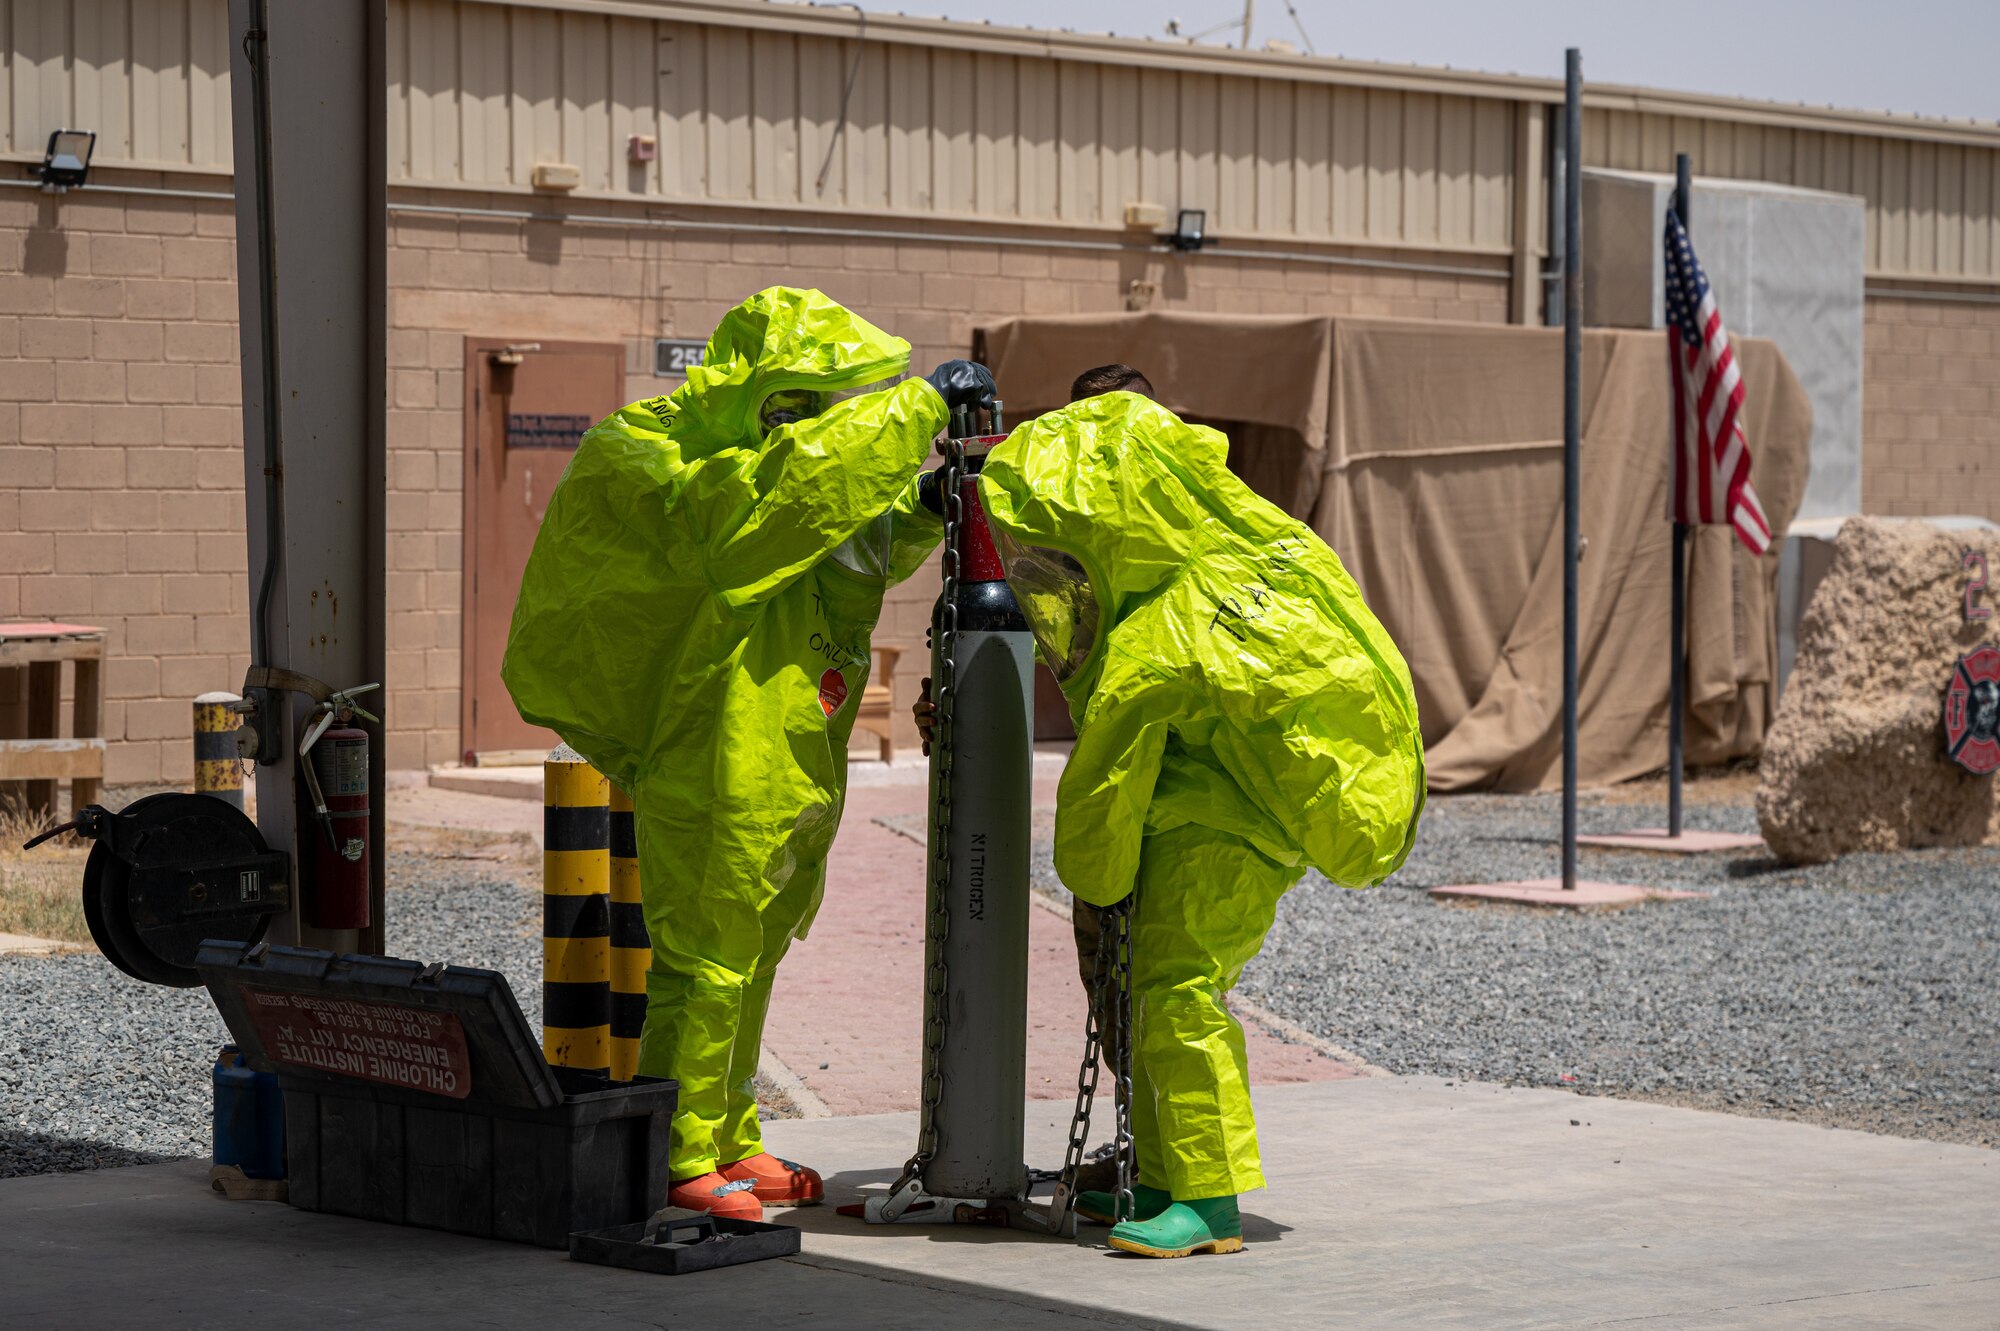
<point>1677,631</point>
<point>1572,433</point>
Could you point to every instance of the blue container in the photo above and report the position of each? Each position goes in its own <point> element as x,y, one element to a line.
<point>249,1118</point>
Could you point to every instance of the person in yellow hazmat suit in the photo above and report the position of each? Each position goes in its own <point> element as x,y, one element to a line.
<point>1241,716</point>
<point>695,621</point>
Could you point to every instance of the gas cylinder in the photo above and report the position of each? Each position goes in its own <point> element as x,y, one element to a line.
<point>249,1117</point>
<point>980,1118</point>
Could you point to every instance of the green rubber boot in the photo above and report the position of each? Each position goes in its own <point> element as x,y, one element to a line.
<point>1206,1224</point>
<point>1099,1207</point>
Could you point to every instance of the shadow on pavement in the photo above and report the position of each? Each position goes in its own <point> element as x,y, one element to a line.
<point>23,1154</point>
<point>856,1184</point>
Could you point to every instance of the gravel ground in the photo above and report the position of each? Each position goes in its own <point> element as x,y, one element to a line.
<point>1858,994</point>
<point>125,1079</point>
<point>121,1075</point>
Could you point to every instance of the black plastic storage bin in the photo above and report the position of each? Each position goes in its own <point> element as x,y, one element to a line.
<point>417,1095</point>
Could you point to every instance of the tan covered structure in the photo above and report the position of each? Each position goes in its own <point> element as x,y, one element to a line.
<point>1429,456</point>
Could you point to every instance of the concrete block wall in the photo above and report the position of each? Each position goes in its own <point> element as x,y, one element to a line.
<point>121,463</point>
<point>1931,405</point>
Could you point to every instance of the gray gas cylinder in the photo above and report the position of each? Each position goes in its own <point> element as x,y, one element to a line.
<point>982,1103</point>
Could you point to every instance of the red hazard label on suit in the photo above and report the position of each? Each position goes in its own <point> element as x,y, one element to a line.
<point>1972,712</point>
<point>384,1042</point>
<point>832,691</point>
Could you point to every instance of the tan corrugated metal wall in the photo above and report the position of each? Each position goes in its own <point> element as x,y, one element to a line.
<point>483,93</point>
<point>480,93</point>
<point>150,76</point>
<point>1933,208</point>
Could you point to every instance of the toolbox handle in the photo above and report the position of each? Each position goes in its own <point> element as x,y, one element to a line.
<point>665,1223</point>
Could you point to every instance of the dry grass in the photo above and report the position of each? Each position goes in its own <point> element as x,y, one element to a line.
<point>510,855</point>
<point>41,890</point>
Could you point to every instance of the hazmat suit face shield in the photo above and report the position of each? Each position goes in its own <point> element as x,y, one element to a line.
<point>790,405</point>
<point>1054,592</point>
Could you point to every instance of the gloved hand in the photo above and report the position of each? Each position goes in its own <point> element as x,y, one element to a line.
<point>963,383</point>
<point>925,715</point>
<point>930,492</point>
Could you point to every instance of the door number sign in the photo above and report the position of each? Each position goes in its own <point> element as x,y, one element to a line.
<point>673,357</point>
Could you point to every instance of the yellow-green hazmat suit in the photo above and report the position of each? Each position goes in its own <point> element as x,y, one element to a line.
<point>1240,714</point>
<point>695,620</point>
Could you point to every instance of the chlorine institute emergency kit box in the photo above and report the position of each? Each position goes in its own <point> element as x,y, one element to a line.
<point>416,1094</point>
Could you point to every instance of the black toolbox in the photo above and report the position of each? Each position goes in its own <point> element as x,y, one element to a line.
<point>416,1094</point>
<point>676,1243</point>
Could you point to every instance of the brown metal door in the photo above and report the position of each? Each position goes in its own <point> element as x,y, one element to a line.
<point>526,406</point>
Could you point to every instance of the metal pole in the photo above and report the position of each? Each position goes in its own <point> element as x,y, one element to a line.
<point>1572,435</point>
<point>311,149</point>
<point>1677,645</point>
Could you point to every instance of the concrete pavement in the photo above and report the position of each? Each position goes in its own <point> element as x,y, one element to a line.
<point>850,995</point>
<point>1395,1202</point>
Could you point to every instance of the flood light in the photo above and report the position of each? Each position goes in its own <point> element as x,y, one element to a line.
<point>66,161</point>
<point>1190,230</point>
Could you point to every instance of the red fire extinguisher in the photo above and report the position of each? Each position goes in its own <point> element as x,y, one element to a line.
<point>333,832</point>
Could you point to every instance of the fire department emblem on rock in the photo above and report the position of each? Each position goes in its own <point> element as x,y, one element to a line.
<point>1972,712</point>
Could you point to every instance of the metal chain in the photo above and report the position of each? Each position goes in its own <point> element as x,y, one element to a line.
<point>1111,971</point>
<point>1119,917</point>
<point>936,981</point>
<point>1086,1083</point>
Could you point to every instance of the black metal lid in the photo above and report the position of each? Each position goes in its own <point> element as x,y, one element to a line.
<point>450,1031</point>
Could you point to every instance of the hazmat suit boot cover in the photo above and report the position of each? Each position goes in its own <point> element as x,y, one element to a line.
<point>695,620</point>
<point>1182,1229</point>
<point>1197,628</point>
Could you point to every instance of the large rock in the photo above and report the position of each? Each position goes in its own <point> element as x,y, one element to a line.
<point>1856,758</point>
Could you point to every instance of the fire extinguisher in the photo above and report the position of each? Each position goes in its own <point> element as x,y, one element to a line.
<point>333,833</point>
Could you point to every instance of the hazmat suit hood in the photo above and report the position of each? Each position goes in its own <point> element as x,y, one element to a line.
<point>678,505</point>
<point>1220,663</point>
<point>1117,507</point>
<point>781,338</point>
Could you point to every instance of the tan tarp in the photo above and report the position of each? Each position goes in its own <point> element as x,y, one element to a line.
<point>1429,455</point>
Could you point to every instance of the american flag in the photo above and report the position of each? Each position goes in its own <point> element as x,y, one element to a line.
<point>1711,476</point>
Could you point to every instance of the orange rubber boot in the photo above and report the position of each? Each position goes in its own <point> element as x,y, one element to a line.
<point>717,1195</point>
<point>777,1182</point>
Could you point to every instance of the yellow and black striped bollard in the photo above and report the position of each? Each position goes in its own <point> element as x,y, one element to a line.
<point>576,913</point>
<point>631,948</point>
<point>218,767</point>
